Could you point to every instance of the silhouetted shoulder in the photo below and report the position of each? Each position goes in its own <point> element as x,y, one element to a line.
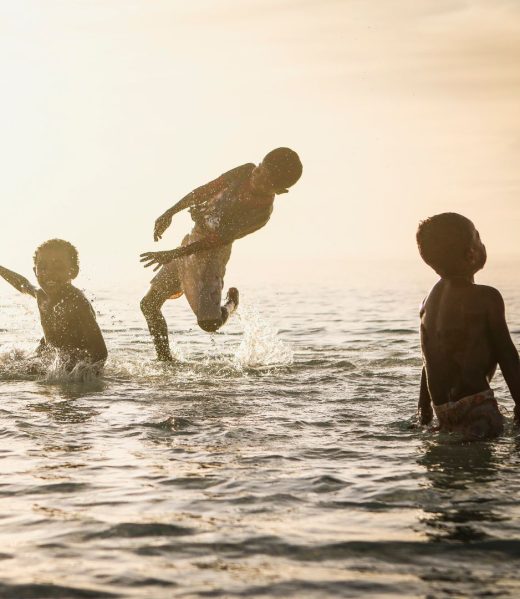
<point>240,172</point>
<point>491,294</point>
<point>76,297</point>
<point>492,300</point>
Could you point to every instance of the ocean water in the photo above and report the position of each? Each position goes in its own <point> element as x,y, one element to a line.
<point>278,458</point>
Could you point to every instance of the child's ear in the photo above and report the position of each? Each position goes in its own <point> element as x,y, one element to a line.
<point>471,256</point>
<point>73,271</point>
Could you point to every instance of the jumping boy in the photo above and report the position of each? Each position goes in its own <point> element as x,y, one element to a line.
<point>67,318</point>
<point>228,208</point>
<point>464,335</point>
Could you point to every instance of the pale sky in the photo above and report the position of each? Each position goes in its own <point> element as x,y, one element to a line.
<point>112,110</point>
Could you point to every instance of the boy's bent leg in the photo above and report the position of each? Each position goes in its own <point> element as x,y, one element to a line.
<point>202,277</point>
<point>163,286</point>
<point>232,301</point>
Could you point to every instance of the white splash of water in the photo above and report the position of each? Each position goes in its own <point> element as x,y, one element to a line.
<point>49,367</point>
<point>260,344</point>
<point>17,362</point>
<point>57,370</point>
<point>220,355</point>
<point>121,365</point>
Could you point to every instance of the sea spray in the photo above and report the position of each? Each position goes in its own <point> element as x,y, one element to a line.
<point>142,365</point>
<point>58,370</point>
<point>260,344</point>
<point>17,363</point>
<point>248,341</point>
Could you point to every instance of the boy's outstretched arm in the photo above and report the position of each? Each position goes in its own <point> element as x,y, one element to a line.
<point>198,196</point>
<point>507,354</point>
<point>425,402</point>
<point>20,283</point>
<point>158,259</point>
<point>195,197</point>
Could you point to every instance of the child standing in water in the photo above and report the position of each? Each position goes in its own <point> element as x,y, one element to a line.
<point>67,318</point>
<point>464,334</point>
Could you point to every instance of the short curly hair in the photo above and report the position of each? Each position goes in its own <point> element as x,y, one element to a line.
<point>443,241</point>
<point>64,246</point>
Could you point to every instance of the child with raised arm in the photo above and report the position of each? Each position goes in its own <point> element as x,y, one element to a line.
<point>67,318</point>
<point>236,204</point>
<point>464,334</point>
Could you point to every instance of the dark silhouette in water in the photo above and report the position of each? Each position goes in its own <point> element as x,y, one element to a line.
<point>464,334</point>
<point>67,318</point>
<point>228,208</point>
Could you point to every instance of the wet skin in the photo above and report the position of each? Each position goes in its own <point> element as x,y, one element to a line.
<point>464,336</point>
<point>260,196</point>
<point>67,318</point>
<point>69,325</point>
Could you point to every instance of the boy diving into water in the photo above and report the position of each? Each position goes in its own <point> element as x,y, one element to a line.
<point>464,334</point>
<point>67,318</point>
<point>228,208</point>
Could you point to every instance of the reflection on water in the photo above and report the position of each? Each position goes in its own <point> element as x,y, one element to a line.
<point>273,459</point>
<point>461,478</point>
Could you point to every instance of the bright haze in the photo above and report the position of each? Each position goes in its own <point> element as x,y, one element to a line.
<point>113,110</point>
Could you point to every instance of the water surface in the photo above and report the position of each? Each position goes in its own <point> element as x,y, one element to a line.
<point>275,459</point>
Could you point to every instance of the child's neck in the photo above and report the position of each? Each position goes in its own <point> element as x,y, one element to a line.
<point>56,295</point>
<point>457,279</point>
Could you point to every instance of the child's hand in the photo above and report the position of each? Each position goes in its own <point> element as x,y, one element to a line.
<point>161,224</point>
<point>157,259</point>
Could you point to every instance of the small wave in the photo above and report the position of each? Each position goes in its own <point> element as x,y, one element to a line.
<point>54,488</point>
<point>398,331</point>
<point>391,552</point>
<point>47,591</point>
<point>396,361</point>
<point>349,586</point>
<point>140,530</point>
<point>192,482</point>
<point>326,484</point>
<point>172,423</point>
<point>329,363</point>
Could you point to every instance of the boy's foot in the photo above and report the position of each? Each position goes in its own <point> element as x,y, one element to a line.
<point>228,308</point>
<point>232,297</point>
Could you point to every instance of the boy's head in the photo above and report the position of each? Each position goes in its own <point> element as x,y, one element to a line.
<point>56,263</point>
<point>451,245</point>
<point>279,169</point>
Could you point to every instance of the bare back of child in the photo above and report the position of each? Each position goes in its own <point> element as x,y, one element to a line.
<point>464,334</point>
